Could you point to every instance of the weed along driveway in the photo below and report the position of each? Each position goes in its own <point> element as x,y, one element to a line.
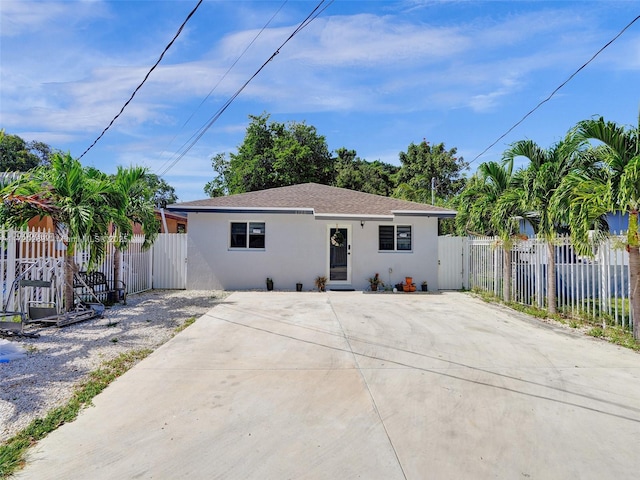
<point>348,385</point>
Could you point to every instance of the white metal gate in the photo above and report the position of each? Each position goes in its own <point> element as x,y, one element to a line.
<point>451,261</point>
<point>170,261</point>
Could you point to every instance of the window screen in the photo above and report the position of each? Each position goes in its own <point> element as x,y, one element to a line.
<point>403,238</point>
<point>256,235</point>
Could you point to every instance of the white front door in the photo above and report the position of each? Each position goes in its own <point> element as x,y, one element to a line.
<point>339,245</point>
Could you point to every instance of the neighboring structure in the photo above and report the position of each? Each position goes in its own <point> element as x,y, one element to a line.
<point>294,234</point>
<point>170,222</point>
<point>618,224</point>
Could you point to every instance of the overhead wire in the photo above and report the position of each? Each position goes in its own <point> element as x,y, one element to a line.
<point>556,90</point>
<point>266,25</point>
<point>145,77</point>
<point>312,16</point>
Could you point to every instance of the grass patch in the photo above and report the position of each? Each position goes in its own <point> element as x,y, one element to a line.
<point>596,332</point>
<point>187,323</point>
<point>13,450</point>
<point>622,337</point>
<point>616,334</point>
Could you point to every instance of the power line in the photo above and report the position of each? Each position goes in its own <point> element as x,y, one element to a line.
<point>556,90</point>
<point>220,81</point>
<point>312,16</point>
<point>145,78</point>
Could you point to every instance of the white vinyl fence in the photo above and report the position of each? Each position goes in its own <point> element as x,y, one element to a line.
<point>597,286</point>
<point>39,255</point>
<point>452,252</point>
<point>170,261</point>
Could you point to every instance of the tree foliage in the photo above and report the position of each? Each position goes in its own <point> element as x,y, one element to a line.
<point>357,174</point>
<point>17,155</point>
<point>162,193</point>
<point>478,203</point>
<point>272,154</point>
<point>613,187</point>
<point>422,162</point>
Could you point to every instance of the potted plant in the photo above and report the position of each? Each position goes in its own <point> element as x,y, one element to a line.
<point>424,286</point>
<point>321,283</point>
<point>374,282</point>
<point>298,287</point>
<point>269,283</point>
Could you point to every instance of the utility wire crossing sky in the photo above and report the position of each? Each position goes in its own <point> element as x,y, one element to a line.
<point>370,76</point>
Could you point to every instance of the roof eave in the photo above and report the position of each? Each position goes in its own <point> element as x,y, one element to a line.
<point>353,216</point>
<point>425,213</point>
<point>221,209</point>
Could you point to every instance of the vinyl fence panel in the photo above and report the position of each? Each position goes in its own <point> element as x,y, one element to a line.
<point>170,261</point>
<point>597,286</point>
<point>39,255</point>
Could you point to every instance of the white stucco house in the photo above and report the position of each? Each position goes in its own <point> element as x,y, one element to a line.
<point>294,234</point>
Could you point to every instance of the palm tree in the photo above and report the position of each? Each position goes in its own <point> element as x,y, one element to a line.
<point>538,184</point>
<point>139,208</point>
<point>80,201</point>
<point>481,212</point>
<point>616,190</point>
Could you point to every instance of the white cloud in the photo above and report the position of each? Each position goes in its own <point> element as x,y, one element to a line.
<point>365,64</point>
<point>21,17</point>
<point>342,63</point>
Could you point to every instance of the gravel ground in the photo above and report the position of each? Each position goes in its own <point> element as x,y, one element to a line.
<point>61,358</point>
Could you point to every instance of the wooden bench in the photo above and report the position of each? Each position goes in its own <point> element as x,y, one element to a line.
<point>92,286</point>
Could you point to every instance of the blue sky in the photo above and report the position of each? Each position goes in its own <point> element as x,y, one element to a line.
<point>370,76</point>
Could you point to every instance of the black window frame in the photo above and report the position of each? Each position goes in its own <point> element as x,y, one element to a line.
<point>395,238</point>
<point>247,238</point>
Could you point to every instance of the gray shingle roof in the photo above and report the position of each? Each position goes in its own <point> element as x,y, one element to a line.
<point>321,199</point>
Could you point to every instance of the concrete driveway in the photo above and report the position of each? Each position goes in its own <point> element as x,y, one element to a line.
<point>346,385</point>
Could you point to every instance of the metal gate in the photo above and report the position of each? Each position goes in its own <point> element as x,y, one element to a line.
<point>170,261</point>
<point>451,261</point>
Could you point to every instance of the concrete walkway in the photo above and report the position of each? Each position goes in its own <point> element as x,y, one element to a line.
<point>345,385</point>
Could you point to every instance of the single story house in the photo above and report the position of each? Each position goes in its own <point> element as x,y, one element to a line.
<point>297,233</point>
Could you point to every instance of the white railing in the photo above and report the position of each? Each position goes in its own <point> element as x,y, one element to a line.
<point>39,255</point>
<point>597,286</point>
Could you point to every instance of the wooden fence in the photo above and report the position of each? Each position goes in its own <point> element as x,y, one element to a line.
<point>596,285</point>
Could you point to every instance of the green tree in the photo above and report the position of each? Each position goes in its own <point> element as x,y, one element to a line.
<point>486,206</point>
<point>539,184</point>
<point>16,155</point>
<point>614,188</point>
<point>136,186</point>
<point>219,186</point>
<point>423,162</point>
<point>163,194</point>
<point>357,174</point>
<point>41,150</point>
<point>82,203</point>
<point>272,155</point>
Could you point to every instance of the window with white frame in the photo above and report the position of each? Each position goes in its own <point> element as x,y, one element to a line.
<point>247,235</point>
<point>394,238</point>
